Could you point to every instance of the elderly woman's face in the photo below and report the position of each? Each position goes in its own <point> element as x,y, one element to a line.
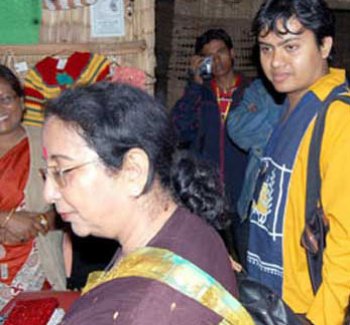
<point>84,193</point>
<point>10,108</point>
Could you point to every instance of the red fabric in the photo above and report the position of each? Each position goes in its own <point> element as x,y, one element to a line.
<point>76,64</point>
<point>33,96</point>
<point>65,298</point>
<point>16,256</point>
<point>14,171</point>
<point>32,312</point>
<point>46,285</point>
<point>129,75</point>
<point>224,97</point>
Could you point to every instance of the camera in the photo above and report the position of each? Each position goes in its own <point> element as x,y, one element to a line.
<point>205,68</point>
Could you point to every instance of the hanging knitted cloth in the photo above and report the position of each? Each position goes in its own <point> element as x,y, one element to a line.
<point>52,75</point>
<point>66,4</point>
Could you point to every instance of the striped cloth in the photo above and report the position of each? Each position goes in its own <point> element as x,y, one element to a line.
<point>52,75</point>
<point>66,4</point>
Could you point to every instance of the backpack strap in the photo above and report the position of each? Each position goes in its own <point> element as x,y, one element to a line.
<point>314,235</point>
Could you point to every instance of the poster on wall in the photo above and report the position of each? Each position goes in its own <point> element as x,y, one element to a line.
<point>107,18</point>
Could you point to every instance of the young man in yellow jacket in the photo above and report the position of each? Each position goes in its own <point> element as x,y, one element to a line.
<point>295,39</point>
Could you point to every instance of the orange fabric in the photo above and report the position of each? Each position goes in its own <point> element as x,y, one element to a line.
<point>14,171</point>
<point>16,256</point>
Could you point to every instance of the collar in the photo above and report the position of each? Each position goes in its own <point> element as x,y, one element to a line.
<point>323,87</point>
<point>214,85</point>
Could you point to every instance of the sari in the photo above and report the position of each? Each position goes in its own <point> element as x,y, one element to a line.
<point>20,268</point>
<point>183,276</point>
<point>180,274</point>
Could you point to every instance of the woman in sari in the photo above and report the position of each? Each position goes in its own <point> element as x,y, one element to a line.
<point>30,251</point>
<point>112,172</point>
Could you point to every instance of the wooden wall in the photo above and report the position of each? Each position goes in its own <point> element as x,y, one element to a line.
<point>65,31</point>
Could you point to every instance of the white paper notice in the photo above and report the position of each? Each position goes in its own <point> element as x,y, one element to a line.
<point>107,18</point>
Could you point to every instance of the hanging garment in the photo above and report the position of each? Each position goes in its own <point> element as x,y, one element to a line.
<point>52,75</point>
<point>129,75</point>
<point>66,4</point>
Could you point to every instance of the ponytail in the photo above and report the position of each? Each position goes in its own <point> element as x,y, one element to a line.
<point>196,186</point>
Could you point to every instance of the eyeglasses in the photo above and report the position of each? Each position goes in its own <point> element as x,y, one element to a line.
<point>60,175</point>
<point>7,100</point>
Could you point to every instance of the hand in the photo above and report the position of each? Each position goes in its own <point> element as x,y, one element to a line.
<point>235,265</point>
<point>7,238</point>
<point>24,226</point>
<point>196,61</point>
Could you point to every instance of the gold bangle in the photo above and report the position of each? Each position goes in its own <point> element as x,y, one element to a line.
<point>7,219</point>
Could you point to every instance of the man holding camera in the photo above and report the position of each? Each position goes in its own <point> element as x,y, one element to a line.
<point>200,115</point>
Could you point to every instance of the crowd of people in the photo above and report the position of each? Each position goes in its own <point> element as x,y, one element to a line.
<point>233,154</point>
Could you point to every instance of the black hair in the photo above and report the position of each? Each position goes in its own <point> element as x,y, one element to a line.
<point>7,75</point>
<point>314,15</point>
<point>210,35</point>
<point>114,118</point>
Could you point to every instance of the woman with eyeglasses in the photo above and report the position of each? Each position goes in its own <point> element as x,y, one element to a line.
<point>30,251</point>
<point>112,171</point>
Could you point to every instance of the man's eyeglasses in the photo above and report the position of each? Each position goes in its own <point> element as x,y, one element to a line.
<point>7,100</point>
<point>59,175</point>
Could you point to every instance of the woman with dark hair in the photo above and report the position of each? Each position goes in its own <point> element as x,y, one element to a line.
<point>30,249</point>
<point>112,172</point>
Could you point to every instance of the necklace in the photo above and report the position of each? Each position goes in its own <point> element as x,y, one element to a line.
<point>224,98</point>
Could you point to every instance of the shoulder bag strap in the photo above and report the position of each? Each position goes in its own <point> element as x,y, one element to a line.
<point>315,227</point>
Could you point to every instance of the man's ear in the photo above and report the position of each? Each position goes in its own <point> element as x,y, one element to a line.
<point>135,171</point>
<point>326,46</point>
